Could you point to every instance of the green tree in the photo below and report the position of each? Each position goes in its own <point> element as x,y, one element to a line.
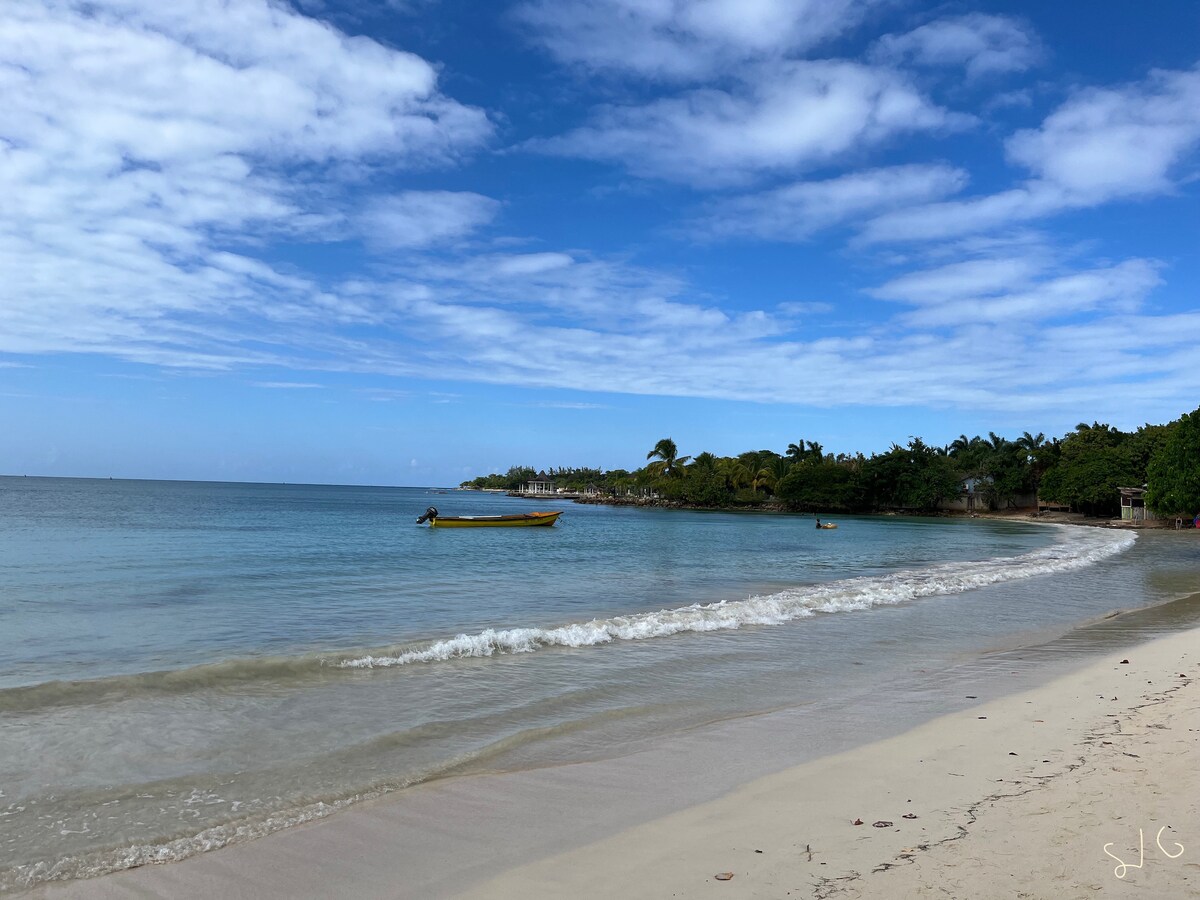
<point>1144,444</point>
<point>1092,465</point>
<point>1040,455</point>
<point>912,477</point>
<point>702,483</point>
<point>1006,470</point>
<point>968,454</point>
<point>668,458</point>
<point>1173,475</point>
<point>756,469</point>
<point>736,475</point>
<point>820,487</point>
<point>778,469</point>
<point>805,451</point>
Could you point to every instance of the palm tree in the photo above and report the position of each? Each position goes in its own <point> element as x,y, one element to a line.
<point>963,444</point>
<point>1031,444</point>
<point>755,463</point>
<point>805,450</point>
<point>774,471</point>
<point>1035,448</point>
<point>736,473</point>
<point>704,462</point>
<point>668,458</point>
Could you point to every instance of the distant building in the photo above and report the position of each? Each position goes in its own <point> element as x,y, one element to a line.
<point>1133,504</point>
<point>974,495</point>
<point>970,496</point>
<point>542,484</point>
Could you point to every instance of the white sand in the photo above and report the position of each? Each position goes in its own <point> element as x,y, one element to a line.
<point>1015,798</point>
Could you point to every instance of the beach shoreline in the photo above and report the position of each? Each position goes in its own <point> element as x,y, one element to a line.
<point>1021,514</point>
<point>1010,795</point>
<point>1086,786</point>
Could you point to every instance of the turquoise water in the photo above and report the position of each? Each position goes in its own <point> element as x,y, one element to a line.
<point>187,664</point>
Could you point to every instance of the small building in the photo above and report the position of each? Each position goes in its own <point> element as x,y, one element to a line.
<point>1133,504</point>
<point>970,497</point>
<point>542,484</point>
<point>975,495</point>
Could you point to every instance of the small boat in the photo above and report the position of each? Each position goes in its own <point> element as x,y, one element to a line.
<point>827,526</point>
<point>517,520</point>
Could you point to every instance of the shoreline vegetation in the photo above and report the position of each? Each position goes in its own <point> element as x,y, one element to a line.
<point>1082,473</point>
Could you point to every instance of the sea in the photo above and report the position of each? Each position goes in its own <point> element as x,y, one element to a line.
<point>185,665</point>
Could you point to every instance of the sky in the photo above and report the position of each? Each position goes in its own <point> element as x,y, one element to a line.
<point>407,242</point>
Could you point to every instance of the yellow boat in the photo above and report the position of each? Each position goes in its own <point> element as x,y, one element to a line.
<point>517,520</point>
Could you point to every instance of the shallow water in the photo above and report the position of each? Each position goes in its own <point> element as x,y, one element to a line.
<point>186,664</point>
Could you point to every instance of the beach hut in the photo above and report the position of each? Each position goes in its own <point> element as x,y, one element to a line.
<point>1133,504</point>
<point>541,484</point>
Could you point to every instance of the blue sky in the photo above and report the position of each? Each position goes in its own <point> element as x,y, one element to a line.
<point>409,242</point>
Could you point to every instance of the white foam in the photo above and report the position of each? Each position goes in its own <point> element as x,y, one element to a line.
<point>1076,548</point>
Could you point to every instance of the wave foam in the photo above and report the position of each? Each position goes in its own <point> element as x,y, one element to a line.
<point>1077,548</point>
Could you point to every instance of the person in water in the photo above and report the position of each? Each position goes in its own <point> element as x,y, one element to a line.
<point>818,523</point>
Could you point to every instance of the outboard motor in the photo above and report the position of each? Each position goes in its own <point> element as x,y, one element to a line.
<point>430,514</point>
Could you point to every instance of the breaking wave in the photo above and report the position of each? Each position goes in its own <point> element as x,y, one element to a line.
<point>1076,548</point>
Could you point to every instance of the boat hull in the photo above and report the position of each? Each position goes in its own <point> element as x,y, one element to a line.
<point>520,520</point>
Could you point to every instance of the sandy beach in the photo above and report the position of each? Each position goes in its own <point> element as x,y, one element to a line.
<point>1085,786</point>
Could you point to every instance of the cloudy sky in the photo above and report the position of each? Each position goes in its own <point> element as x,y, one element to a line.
<point>411,241</point>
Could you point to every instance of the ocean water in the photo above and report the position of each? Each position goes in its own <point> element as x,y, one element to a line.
<point>184,665</point>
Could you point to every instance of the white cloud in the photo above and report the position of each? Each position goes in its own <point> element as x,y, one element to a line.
<point>147,145</point>
<point>1010,290</point>
<point>957,218</point>
<point>796,211</point>
<point>567,405</point>
<point>542,286</point>
<point>1004,333</point>
<point>682,39</point>
<point>961,280</point>
<point>424,218</point>
<point>792,116</point>
<point>1100,145</point>
<point>533,263</point>
<point>985,365</point>
<point>804,308</point>
<point>1106,143</point>
<point>983,44</point>
<point>155,82</point>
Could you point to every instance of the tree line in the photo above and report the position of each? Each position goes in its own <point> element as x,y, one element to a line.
<point>1081,471</point>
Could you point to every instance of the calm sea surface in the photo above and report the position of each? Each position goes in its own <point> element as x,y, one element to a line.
<point>183,665</point>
